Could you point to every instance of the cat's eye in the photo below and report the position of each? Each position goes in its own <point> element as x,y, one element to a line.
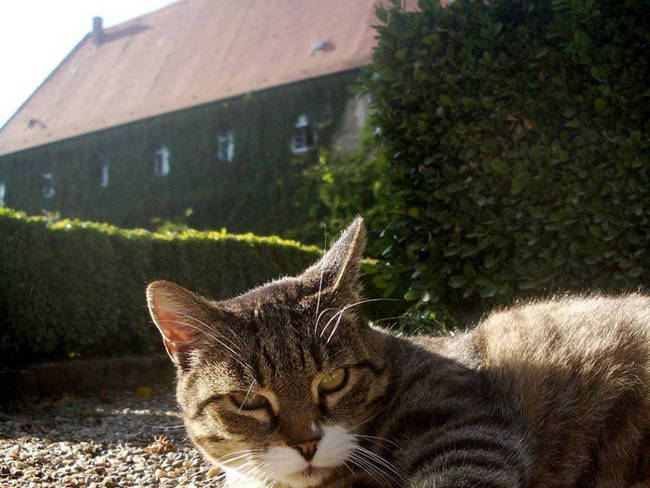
<point>248,400</point>
<point>333,381</point>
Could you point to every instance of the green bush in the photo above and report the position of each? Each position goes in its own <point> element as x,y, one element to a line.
<point>517,138</point>
<point>347,185</point>
<point>71,288</point>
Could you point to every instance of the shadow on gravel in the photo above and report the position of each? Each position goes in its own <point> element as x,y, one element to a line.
<point>106,418</point>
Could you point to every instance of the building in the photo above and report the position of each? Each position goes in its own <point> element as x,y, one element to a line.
<point>213,105</point>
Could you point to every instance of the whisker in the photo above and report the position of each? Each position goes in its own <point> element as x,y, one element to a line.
<point>380,460</point>
<point>396,317</point>
<point>374,438</point>
<point>251,467</point>
<point>334,329</point>
<point>391,328</point>
<point>208,328</point>
<point>320,283</point>
<point>247,393</point>
<point>351,305</point>
<point>367,420</point>
<point>236,455</point>
<point>210,332</point>
<point>189,477</point>
<point>235,355</point>
<point>319,317</point>
<point>369,469</point>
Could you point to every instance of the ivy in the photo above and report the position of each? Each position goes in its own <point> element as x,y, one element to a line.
<point>261,190</point>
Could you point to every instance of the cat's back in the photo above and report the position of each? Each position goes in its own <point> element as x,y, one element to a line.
<point>580,334</point>
<point>577,369</point>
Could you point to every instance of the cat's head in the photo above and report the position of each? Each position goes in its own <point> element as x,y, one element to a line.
<point>277,384</point>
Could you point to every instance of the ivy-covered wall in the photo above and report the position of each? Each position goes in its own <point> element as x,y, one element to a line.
<point>261,190</point>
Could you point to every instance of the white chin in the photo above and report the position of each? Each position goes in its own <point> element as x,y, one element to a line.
<point>286,466</point>
<point>299,480</point>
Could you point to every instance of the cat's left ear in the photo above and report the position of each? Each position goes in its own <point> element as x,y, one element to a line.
<point>182,317</point>
<point>338,270</point>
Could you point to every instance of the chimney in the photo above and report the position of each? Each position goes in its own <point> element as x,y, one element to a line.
<point>98,31</point>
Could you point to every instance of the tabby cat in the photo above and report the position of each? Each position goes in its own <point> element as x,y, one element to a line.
<point>288,386</point>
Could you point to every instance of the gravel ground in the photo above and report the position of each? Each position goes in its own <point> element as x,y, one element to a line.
<point>109,440</point>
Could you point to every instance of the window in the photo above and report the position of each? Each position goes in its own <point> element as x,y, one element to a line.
<point>161,162</point>
<point>103,172</point>
<point>3,192</point>
<point>225,145</point>
<point>304,138</point>
<point>48,187</point>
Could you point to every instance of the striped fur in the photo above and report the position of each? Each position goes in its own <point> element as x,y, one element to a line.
<point>548,394</point>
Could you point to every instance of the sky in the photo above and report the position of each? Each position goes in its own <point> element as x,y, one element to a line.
<point>35,36</point>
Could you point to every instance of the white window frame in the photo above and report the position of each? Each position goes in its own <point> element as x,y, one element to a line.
<point>303,132</point>
<point>225,145</point>
<point>104,173</point>
<point>47,190</point>
<point>161,162</point>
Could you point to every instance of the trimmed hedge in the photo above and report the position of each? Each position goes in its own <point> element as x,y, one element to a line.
<point>517,133</point>
<point>72,288</point>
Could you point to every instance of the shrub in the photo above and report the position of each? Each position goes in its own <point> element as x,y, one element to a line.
<point>347,185</point>
<point>71,288</point>
<point>517,138</point>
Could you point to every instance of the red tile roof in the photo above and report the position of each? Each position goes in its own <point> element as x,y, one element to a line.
<point>190,53</point>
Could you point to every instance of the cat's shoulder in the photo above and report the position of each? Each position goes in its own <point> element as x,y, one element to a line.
<point>578,325</point>
<point>571,312</point>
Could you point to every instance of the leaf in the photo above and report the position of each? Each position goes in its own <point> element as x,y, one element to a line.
<point>581,39</point>
<point>574,248</point>
<point>381,13</point>
<point>412,295</point>
<point>457,281</point>
<point>569,111</point>
<point>485,283</point>
<point>401,54</point>
<point>500,166</point>
<point>635,272</point>
<point>440,193</point>
<point>487,292</point>
<point>414,212</point>
<point>490,261</point>
<point>469,271</point>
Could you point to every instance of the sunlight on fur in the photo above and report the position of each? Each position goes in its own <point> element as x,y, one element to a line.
<point>289,386</point>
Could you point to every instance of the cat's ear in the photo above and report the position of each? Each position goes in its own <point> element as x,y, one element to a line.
<point>338,269</point>
<point>182,317</point>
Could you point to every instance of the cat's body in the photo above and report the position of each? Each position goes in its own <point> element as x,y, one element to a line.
<point>552,394</point>
<point>287,386</point>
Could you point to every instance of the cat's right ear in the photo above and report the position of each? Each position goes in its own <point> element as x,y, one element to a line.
<point>182,317</point>
<point>338,270</point>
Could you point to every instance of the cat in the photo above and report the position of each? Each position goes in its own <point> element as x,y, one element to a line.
<point>289,386</point>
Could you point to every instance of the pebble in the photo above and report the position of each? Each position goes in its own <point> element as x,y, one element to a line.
<point>75,442</point>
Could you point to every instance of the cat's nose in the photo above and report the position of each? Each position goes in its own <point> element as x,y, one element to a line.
<point>307,448</point>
